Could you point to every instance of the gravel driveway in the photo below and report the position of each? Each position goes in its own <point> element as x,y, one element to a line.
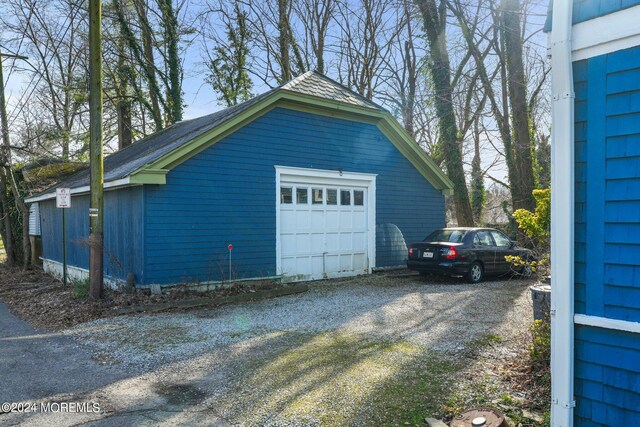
<point>340,354</point>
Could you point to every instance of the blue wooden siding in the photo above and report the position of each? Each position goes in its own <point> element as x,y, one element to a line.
<point>607,377</point>
<point>580,136</point>
<point>607,141</point>
<point>584,10</point>
<point>607,236</point>
<point>226,194</point>
<point>123,238</point>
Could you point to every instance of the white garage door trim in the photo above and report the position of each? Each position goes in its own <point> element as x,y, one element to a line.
<point>332,178</point>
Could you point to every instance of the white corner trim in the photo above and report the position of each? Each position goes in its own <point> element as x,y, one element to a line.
<point>79,190</point>
<point>606,34</point>
<point>330,177</point>
<point>562,218</point>
<point>278,240</point>
<point>603,322</point>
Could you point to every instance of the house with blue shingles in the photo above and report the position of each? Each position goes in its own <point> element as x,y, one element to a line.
<point>306,181</point>
<point>595,300</point>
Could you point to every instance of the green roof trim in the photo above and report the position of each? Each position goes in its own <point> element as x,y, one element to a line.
<point>149,176</point>
<point>149,160</point>
<point>154,173</point>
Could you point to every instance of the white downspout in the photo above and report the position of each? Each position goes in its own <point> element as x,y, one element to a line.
<point>562,217</point>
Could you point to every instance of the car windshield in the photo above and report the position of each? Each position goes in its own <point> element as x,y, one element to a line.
<point>451,236</point>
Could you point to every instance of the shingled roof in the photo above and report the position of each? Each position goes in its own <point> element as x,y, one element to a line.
<point>124,163</point>
<point>316,84</point>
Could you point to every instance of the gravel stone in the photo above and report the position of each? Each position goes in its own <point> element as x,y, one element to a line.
<point>238,355</point>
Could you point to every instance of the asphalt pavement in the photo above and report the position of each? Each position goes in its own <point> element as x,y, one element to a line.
<point>47,378</point>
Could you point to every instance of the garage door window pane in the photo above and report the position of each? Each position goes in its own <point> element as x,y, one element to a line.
<point>332,197</point>
<point>358,197</point>
<point>302,196</point>
<point>345,197</point>
<point>286,195</point>
<point>316,198</point>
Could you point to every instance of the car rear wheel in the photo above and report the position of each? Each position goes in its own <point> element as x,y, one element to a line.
<point>476,273</point>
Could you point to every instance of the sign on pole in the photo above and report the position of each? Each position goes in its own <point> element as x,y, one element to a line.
<point>63,201</point>
<point>63,198</point>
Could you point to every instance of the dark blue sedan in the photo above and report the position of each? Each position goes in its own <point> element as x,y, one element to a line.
<point>468,252</point>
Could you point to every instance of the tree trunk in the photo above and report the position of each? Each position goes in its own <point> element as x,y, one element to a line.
<point>125,136</point>
<point>6,228</point>
<point>408,105</point>
<point>320,54</point>
<point>149,63</point>
<point>170,23</point>
<point>434,18</point>
<point>5,159</point>
<point>123,76</point>
<point>65,145</point>
<point>477,178</point>
<point>505,128</point>
<point>283,40</point>
<point>519,106</point>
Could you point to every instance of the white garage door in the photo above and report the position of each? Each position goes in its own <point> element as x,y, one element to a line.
<point>326,223</point>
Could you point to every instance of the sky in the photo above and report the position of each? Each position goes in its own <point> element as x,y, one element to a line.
<point>200,99</point>
<point>198,95</point>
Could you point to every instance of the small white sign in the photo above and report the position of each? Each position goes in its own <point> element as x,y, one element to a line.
<point>63,198</point>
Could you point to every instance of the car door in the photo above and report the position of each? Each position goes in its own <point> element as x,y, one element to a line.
<point>485,250</point>
<point>503,248</point>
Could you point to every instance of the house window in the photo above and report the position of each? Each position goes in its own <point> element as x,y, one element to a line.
<point>332,197</point>
<point>302,196</point>
<point>316,197</point>
<point>358,197</point>
<point>286,195</point>
<point>345,197</point>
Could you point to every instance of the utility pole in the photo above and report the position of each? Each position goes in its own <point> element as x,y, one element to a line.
<point>96,215</point>
<point>7,175</point>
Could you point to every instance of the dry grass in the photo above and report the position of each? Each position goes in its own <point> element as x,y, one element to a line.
<point>42,300</point>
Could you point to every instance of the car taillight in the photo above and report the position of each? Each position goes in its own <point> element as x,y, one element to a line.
<point>412,250</point>
<point>450,253</point>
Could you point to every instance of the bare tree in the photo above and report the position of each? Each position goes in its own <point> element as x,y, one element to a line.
<point>54,39</point>
<point>434,16</point>
<point>505,87</point>
<point>315,17</point>
<point>367,34</point>
<point>227,63</point>
<point>147,59</point>
<point>118,72</point>
<point>401,71</point>
<point>516,84</point>
<point>8,176</point>
<point>278,55</point>
<point>145,37</point>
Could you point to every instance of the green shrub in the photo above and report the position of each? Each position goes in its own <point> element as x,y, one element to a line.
<point>536,226</point>
<point>540,349</point>
<point>81,288</point>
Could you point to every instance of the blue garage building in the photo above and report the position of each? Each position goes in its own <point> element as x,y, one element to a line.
<point>595,49</point>
<point>306,181</point>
